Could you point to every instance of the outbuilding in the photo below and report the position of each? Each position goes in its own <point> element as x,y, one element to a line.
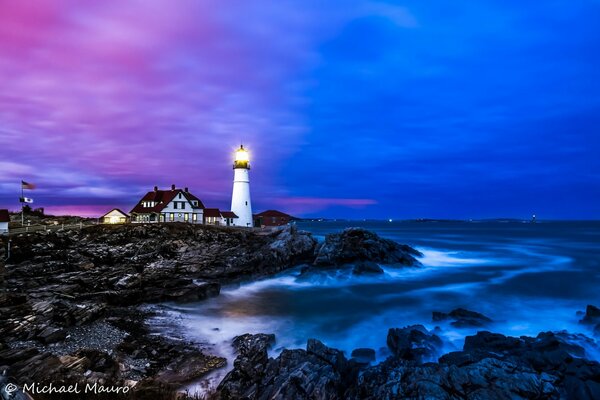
<point>272,218</point>
<point>114,216</point>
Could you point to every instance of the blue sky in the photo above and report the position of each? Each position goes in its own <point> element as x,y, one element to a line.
<point>355,109</point>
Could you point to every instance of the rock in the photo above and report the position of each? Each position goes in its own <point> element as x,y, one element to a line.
<point>592,315</point>
<point>492,343</point>
<point>366,267</point>
<point>321,372</point>
<point>414,343</point>
<point>357,244</point>
<point>253,348</point>
<point>188,368</point>
<point>462,318</point>
<point>363,355</point>
<point>51,335</point>
<point>296,374</point>
<point>332,356</point>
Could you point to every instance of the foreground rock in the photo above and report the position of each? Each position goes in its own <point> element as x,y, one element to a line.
<point>357,245</point>
<point>462,318</point>
<point>592,318</point>
<point>65,308</point>
<point>318,372</point>
<point>490,366</point>
<point>414,343</point>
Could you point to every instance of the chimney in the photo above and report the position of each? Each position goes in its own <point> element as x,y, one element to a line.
<point>173,187</point>
<point>186,190</point>
<point>156,188</point>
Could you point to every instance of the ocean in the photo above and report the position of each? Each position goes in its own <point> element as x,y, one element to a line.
<point>526,277</point>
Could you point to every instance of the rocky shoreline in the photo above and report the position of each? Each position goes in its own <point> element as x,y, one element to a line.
<point>552,365</point>
<point>71,313</point>
<point>70,299</point>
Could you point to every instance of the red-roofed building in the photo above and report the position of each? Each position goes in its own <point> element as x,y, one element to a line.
<point>4,220</point>
<point>272,218</point>
<point>214,216</point>
<point>175,205</point>
<point>229,217</point>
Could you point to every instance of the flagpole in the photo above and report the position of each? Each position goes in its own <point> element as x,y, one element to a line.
<point>22,205</point>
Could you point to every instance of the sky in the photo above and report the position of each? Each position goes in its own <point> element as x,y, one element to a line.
<point>350,109</point>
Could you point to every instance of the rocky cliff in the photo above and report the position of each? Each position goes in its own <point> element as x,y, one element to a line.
<point>68,300</point>
<point>66,297</point>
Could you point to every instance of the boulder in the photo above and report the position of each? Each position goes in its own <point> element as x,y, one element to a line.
<point>462,318</point>
<point>357,244</point>
<point>414,343</point>
<point>592,315</point>
<point>51,334</point>
<point>363,355</point>
<point>317,372</point>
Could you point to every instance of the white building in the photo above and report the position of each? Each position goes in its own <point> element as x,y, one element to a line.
<point>214,216</point>
<point>175,205</point>
<point>4,220</point>
<point>240,198</point>
<point>114,216</point>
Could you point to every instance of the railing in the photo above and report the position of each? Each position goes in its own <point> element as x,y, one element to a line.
<point>47,228</point>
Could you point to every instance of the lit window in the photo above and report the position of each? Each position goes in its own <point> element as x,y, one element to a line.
<point>172,216</point>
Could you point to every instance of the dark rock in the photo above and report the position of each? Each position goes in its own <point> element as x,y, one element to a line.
<point>356,244</point>
<point>296,374</point>
<point>592,315</point>
<point>253,348</point>
<point>363,355</point>
<point>462,318</point>
<point>414,343</point>
<point>51,335</point>
<point>492,343</point>
<point>366,267</point>
<point>68,281</point>
<point>332,356</point>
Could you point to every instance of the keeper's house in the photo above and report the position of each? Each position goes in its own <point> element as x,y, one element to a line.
<point>4,220</point>
<point>175,205</point>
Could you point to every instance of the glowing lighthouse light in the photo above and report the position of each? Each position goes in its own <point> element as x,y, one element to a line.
<point>242,154</point>
<point>240,198</point>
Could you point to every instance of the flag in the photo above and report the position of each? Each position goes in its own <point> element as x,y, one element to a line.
<point>26,200</point>
<point>26,185</point>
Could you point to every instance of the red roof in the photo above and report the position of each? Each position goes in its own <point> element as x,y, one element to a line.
<point>274,213</point>
<point>163,198</point>
<point>212,212</point>
<point>4,217</point>
<point>228,214</point>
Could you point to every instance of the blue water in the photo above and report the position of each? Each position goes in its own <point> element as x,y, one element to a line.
<point>526,277</point>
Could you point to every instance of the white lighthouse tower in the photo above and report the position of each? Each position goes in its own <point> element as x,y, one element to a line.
<point>240,198</point>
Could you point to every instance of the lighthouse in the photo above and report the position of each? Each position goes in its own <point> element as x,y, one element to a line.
<point>240,198</point>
